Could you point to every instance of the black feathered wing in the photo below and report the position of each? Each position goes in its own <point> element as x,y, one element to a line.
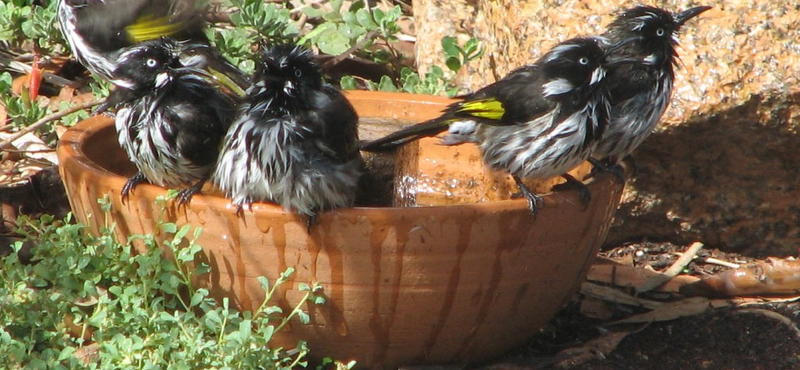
<point>515,99</point>
<point>336,121</point>
<point>114,24</point>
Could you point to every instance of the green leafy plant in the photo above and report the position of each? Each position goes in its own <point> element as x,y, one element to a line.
<point>253,22</point>
<point>12,15</point>
<point>266,20</point>
<point>21,109</point>
<point>236,45</point>
<point>435,81</point>
<point>21,20</point>
<point>457,56</point>
<point>346,28</point>
<point>338,28</point>
<point>91,294</point>
<point>42,27</point>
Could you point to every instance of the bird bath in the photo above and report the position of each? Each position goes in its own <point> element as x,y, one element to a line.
<point>462,277</point>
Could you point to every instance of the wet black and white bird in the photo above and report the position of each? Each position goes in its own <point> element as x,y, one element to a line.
<point>640,92</point>
<point>294,142</point>
<point>99,30</point>
<point>539,121</point>
<point>170,118</point>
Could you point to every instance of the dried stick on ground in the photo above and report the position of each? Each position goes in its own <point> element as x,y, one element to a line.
<point>46,119</point>
<point>672,271</point>
<point>609,294</point>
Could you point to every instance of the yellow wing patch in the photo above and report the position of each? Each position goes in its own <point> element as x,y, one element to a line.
<point>149,27</point>
<point>486,108</point>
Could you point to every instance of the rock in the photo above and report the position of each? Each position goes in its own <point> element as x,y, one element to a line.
<point>722,168</point>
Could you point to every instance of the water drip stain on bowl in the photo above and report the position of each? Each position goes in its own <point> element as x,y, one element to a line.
<point>461,277</point>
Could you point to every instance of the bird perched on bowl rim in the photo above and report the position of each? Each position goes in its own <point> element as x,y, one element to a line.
<point>640,92</point>
<point>294,142</point>
<point>539,121</point>
<point>99,30</point>
<point>170,119</point>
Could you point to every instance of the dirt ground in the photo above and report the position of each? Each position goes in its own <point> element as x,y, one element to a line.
<point>719,339</point>
<point>722,339</point>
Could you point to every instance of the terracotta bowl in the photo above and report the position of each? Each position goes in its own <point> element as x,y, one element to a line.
<point>441,284</point>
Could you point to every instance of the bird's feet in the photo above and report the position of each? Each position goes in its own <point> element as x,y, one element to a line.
<point>310,221</point>
<point>535,202</point>
<point>573,184</point>
<point>241,207</point>
<point>132,182</point>
<point>102,108</point>
<point>609,167</point>
<point>185,195</point>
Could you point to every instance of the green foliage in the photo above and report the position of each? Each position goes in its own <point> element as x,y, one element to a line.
<point>457,56</point>
<point>340,28</point>
<point>344,29</point>
<point>73,118</point>
<point>266,20</point>
<point>21,109</point>
<point>435,81</point>
<point>255,22</point>
<point>12,15</point>
<point>336,30</point>
<point>42,27</point>
<point>139,310</point>
<point>20,21</point>
<point>236,45</point>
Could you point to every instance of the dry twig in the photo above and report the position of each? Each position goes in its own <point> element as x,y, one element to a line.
<point>672,271</point>
<point>47,119</point>
<point>719,262</point>
<point>613,295</point>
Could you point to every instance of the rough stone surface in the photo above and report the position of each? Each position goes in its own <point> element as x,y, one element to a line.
<point>722,168</point>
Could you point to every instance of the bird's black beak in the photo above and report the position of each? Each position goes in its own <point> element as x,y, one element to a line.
<point>690,13</point>
<point>197,71</point>
<point>200,55</point>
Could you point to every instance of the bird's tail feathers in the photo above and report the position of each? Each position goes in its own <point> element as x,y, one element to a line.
<point>406,135</point>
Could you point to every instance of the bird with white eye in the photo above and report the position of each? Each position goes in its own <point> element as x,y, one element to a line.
<point>170,119</point>
<point>539,121</point>
<point>294,140</point>
<point>640,92</point>
<point>98,31</point>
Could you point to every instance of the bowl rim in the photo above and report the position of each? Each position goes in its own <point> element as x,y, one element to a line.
<point>71,155</point>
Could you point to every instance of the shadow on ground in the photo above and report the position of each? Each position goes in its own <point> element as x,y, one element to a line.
<point>730,180</point>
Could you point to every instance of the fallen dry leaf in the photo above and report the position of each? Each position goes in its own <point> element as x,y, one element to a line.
<point>610,294</point>
<point>88,354</point>
<point>33,147</point>
<point>630,277</point>
<point>674,310</point>
<point>596,308</point>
